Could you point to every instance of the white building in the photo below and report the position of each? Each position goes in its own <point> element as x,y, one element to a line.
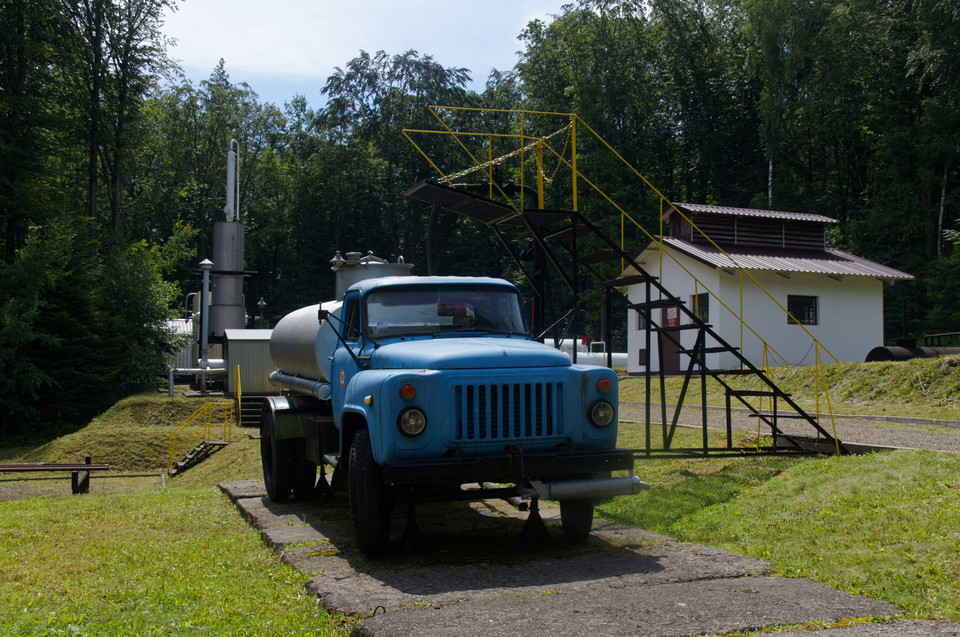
<point>753,261</point>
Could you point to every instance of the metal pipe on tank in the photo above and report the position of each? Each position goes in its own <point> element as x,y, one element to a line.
<point>309,386</point>
<point>232,207</point>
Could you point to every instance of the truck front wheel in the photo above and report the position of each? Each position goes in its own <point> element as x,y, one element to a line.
<point>576,517</point>
<point>370,505</point>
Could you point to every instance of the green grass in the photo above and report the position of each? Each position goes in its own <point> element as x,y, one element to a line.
<point>886,525</point>
<point>682,487</point>
<point>923,387</point>
<point>120,560</point>
<point>133,558</point>
<point>130,436</point>
<point>156,562</point>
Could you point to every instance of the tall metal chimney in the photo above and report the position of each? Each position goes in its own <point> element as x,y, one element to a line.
<point>227,310</point>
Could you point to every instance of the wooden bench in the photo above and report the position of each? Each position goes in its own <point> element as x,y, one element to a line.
<point>79,471</point>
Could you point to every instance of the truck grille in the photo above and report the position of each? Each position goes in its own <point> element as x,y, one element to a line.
<point>508,411</point>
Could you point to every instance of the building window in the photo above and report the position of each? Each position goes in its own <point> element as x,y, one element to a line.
<point>701,306</point>
<point>641,320</point>
<point>803,309</point>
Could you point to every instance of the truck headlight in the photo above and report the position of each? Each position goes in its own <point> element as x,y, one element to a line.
<point>412,421</point>
<point>602,413</point>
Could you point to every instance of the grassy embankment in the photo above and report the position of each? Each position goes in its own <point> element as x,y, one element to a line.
<point>134,558</point>
<point>922,388</point>
<point>885,525</point>
<point>181,560</point>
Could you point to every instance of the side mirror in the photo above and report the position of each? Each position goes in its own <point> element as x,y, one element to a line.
<point>322,314</point>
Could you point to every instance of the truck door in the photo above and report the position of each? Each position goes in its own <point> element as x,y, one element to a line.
<point>344,366</point>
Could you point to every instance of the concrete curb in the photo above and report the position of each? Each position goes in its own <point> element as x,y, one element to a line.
<point>624,581</point>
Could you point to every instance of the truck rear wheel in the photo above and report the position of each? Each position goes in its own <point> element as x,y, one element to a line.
<point>370,505</point>
<point>576,517</point>
<point>278,466</point>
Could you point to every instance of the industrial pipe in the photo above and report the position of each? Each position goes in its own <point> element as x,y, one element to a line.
<point>307,386</point>
<point>206,266</point>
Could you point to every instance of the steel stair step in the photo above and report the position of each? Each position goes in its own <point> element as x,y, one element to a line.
<point>567,233</point>
<point>778,415</point>
<point>600,256</point>
<point>684,326</point>
<point>755,393</point>
<point>708,350</point>
<point>629,280</point>
<point>721,372</point>
<point>250,410</point>
<point>648,305</point>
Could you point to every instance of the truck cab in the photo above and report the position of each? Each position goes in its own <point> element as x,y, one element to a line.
<point>433,383</point>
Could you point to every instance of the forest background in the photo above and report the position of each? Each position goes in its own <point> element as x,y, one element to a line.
<point>112,164</point>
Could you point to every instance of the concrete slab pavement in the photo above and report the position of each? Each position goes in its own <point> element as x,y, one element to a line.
<point>473,576</point>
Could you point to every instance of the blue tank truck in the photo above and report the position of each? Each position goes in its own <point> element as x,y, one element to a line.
<point>414,388</point>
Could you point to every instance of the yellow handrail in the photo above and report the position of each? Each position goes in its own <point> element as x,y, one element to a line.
<point>239,395</point>
<point>205,411</point>
<point>528,141</point>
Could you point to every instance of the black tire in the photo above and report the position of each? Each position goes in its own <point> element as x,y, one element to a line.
<point>576,517</point>
<point>305,483</point>
<point>370,505</point>
<point>278,467</point>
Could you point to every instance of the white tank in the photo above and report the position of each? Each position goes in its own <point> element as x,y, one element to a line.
<point>301,344</point>
<point>356,268</point>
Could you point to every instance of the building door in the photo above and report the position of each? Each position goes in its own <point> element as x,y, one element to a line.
<point>670,317</point>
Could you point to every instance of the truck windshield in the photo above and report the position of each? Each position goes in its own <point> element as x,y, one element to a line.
<point>432,309</point>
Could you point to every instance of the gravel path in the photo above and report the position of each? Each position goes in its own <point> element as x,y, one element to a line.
<point>877,431</point>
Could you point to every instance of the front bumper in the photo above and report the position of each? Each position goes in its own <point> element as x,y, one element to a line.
<point>508,467</point>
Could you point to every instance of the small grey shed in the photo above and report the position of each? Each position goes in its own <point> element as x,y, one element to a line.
<point>247,353</point>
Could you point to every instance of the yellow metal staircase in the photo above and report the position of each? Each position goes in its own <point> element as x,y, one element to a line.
<point>501,204</point>
<point>207,430</point>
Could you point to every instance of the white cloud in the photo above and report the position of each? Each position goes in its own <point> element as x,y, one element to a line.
<point>306,39</point>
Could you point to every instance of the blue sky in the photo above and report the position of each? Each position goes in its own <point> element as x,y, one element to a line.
<point>288,47</point>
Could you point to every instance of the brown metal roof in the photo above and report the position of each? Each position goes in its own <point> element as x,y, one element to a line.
<point>830,261</point>
<point>747,212</point>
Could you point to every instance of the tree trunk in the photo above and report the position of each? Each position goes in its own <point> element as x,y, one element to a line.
<point>770,184</point>
<point>95,35</point>
<point>14,229</point>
